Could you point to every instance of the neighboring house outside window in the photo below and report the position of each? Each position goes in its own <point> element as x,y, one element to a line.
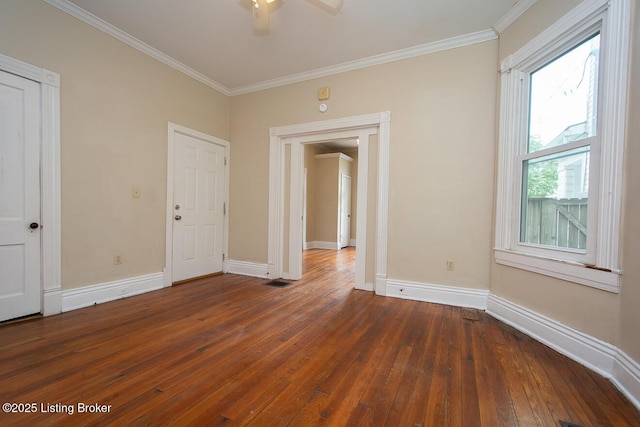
<point>562,127</point>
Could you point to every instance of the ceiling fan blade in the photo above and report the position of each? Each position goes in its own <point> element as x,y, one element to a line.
<point>261,16</point>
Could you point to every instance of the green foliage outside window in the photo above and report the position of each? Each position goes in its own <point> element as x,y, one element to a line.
<point>542,177</point>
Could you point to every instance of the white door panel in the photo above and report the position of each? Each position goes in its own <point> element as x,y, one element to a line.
<point>20,288</point>
<point>345,210</point>
<point>199,203</point>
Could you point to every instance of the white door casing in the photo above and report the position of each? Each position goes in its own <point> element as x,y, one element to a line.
<point>345,211</point>
<point>360,127</point>
<point>197,188</point>
<point>50,200</point>
<point>20,287</point>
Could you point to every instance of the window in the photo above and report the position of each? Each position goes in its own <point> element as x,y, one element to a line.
<point>562,124</point>
<point>555,159</point>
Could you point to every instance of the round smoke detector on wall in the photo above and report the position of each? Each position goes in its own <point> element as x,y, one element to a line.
<point>323,108</point>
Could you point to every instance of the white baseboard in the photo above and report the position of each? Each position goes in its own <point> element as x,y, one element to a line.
<point>585,349</point>
<point>326,245</point>
<point>626,376</point>
<point>380,285</point>
<point>86,296</point>
<point>248,269</point>
<point>366,287</point>
<point>597,355</point>
<point>449,295</point>
<point>52,302</point>
<point>322,245</point>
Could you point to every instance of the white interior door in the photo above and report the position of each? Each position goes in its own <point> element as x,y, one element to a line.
<point>304,211</point>
<point>198,215</point>
<point>20,288</point>
<point>345,210</point>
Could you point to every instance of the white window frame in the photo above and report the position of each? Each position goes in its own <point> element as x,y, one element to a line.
<point>599,266</point>
<point>582,256</point>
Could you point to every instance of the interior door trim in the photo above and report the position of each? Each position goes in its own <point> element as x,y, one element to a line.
<point>51,261</point>
<point>295,135</point>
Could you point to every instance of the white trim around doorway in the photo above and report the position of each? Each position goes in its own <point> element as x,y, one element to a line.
<point>51,246</point>
<point>295,136</point>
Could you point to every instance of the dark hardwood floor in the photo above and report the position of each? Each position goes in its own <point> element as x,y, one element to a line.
<point>229,350</point>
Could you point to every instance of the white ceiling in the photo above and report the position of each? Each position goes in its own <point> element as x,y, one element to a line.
<point>215,40</point>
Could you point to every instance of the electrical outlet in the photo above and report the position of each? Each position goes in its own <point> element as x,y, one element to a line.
<point>450,265</point>
<point>117,259</point>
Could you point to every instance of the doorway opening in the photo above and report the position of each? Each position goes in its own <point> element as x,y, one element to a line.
<point>330,193</point>
<point>286,178</point>
<point>329,206</point>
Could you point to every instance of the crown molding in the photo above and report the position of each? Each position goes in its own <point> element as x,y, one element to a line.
<point>105,27</point>
<point>398,55</point>
<point>513,14</point>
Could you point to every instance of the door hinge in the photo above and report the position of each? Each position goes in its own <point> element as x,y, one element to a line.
<point>222,257</point>
<point>225,161</point>
<point>224,208</point>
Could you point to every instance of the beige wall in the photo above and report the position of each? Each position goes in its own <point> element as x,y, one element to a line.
<point>327,173</point>
<point>540,16</point>
<point>630,295</point>
<point>310,162</point>
<point>441,158</point>
<point>115,105</point>
<point>326,196</point>
<point>597,313</point>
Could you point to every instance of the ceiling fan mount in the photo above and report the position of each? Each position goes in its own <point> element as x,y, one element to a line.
<point>260,10</point>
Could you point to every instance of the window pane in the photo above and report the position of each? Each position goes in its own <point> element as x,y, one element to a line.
<point>555,200</point>
<point>563,98</point>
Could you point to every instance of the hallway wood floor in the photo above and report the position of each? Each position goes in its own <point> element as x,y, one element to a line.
<point>228,350</point>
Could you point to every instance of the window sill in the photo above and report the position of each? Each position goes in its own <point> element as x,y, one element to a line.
<point>572,272</point>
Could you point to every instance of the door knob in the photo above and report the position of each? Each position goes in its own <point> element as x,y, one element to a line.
<point>178,217</point>
<point>34,225</point>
